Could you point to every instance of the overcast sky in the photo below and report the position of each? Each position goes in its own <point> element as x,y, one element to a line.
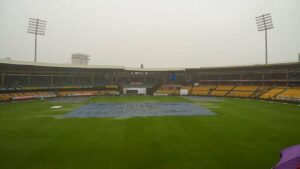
<point>157,33</point>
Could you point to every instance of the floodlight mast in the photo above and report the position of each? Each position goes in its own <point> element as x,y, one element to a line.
<point>36,27</point>
<point>264,23</point>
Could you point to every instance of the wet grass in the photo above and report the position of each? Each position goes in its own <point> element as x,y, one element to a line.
<point>245,134</point>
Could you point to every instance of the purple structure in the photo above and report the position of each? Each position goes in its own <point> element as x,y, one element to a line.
<point>289,158</point>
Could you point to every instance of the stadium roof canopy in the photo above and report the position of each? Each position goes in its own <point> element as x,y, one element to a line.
<point>297,64</point>
<point>87,66</point>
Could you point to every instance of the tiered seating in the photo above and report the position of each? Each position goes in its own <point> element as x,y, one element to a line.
<point>16,94</point>
<point>246,88</point>
<point>20,96</point>
<point>37,95</point>
<point>26,95</point>
<point>263,92</point>
<point>272,93</point>
<point>189,88</point>
<point>168,90</point>
<point>43,94</point>
<point>242,91</point>
<point>77,93</point>
<point>260,91</point>
<point>199,92</point>
<point>219,93</point>
<point>240,94</point>
<point>202,90</point>
<point>223,87</point>
<point>108,92</point>
<point>290,94</point>
<point>221,90</point>
<point>5,97</point>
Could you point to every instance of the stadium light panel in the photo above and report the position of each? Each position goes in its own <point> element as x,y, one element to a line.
<point>36,27</point>
<point>264,23</point>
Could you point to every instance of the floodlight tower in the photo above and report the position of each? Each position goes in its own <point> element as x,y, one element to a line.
<point>36,27</point>
<point>264,23</point>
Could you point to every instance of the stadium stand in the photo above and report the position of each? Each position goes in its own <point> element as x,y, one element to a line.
<point>109,93</point>
<point>222,90</point>
<point>23,80</point>
<point>5,97</point>
<point>202,90</point>
<point>77,93</point>
<point>290,94</point>
<point>189,88</point>
<point>168,90</point>
<point>26,95</point>
<point>260,91</point>
<point>246,88</point>
<point>219,93</point>
<point>41,95</point>
<point>272,93</point>
<point>242,91</point>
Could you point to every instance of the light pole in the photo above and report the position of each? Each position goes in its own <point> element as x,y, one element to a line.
<point>36,27</point>
<point>264,23</point>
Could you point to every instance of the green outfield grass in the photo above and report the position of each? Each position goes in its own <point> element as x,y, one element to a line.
<point>245,134</point>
